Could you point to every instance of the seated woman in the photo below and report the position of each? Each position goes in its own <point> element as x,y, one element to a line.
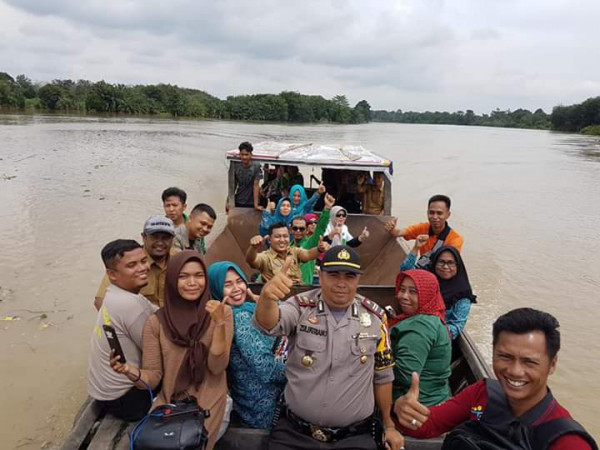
<point>420,339</point>
<point>300,204</point>
<point>186,343</point>
<point>282,213</point>
<point>449,269</point>
<point>256,378</point>
<point>337,232</point>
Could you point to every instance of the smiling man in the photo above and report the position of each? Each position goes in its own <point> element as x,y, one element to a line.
<point>200,224</point>
<point>157,236</point>
<point>516,411</point>
<point>340,365</point>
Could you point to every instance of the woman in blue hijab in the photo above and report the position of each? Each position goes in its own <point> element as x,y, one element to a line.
<point>300,204</point>
<point>282,213</point>
<point>255,375</point>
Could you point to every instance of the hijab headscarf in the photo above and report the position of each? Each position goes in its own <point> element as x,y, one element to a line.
<point>458,286</point>
<point>428,291</point>
<point>303,197</point>
<point>185,322</point>
<point>278,217</point>
<point>345,235</point>
<point>217,272</point>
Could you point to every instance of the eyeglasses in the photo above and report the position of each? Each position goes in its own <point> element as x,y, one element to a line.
<point>340,215</point>
<point>442,263</point>
<point>298,228</point>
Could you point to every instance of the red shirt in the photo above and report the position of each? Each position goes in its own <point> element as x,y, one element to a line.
<point>470,404</point>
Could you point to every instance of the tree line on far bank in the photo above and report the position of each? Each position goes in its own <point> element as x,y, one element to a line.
<point>82,96</point>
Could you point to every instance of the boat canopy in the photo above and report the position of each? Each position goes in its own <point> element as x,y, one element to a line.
<point>352,157</point>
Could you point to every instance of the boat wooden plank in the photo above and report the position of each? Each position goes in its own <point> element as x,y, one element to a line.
<point>110,432</point>
<point>84,421</point>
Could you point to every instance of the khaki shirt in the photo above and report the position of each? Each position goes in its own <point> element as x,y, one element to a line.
<point>269,263</point>
<point>154,291</point>
<point>346,359</point>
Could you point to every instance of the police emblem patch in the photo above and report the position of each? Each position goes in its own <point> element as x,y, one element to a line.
<point>344,255</point>
<point>365,319</point>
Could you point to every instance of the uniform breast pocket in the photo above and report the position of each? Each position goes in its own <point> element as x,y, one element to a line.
<point>312,342</point>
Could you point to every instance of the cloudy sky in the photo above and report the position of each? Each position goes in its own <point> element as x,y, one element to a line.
<point>408,54</point>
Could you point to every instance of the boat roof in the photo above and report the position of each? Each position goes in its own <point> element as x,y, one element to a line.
<point>325,155</point>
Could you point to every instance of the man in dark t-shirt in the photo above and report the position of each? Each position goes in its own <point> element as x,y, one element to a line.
<point>247,176</point>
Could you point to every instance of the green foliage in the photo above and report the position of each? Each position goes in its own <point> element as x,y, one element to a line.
<point>592,130</point>
<point>576,117</point>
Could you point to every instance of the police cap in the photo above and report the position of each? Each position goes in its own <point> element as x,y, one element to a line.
<point>341,258</point>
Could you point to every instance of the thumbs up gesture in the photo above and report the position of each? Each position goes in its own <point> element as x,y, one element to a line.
<point>364,235</point>
<point>411,414</point>
<point>278,287</point>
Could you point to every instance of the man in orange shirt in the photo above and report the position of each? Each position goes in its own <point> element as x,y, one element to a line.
<point>436,231</point>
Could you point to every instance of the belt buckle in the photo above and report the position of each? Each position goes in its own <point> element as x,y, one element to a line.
<point>320,434</point>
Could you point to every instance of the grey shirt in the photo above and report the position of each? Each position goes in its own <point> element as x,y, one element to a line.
<point>244,183</point>
<point>127,313</point>
<point>182,241</point>
<point>348,358</point>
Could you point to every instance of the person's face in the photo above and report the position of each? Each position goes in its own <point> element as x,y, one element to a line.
<point>234,288</point>
<point>296,197</point>
<point>445,266</point>
<point>280,239</point>
<point>131,271</point>
<point>245,157</point>
<point>378,179</point>
<point>339,288</point>
<point>200,225</point>
<point>340,218</point>
<point>407,296</point>
<point>299,229</point>
<point>157,245</point>
<point>191,281</point>
<point>522,365</point>
<point>285,208</point>
<point>437,214</point>
<point>174,208</point>
<point>310,227</point>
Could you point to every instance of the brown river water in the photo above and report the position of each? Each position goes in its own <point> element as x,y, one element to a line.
<point>526,202</point>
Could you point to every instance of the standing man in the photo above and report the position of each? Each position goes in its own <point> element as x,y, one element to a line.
<point>302,240</point>
<point>373,194</point>
<point>247,177</point>
<point>157,236</point>
<point>437,229</point>
<point>200,224</point>
<point>126,310</point>
<point>174,205</point>
<point>516,411</point>
<point>340,365</point>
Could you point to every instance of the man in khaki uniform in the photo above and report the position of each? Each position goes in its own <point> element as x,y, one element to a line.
<point>339,367</point>
<point>158,236</point>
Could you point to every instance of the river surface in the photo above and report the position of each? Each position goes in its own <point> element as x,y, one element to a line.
<point>526,202</point>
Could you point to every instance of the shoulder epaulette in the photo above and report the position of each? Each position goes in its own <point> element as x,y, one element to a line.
<point>373,307</point>
<point>305,301</point>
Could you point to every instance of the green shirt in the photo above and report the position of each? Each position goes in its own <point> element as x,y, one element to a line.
<point>422,344</point>
<point>307,269</point>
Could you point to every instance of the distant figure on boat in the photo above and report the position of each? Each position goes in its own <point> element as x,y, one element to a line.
<point>303,240</point>
<point>373,194</point>
<point>157,236</point>
<point>126,310</point>
<point>448,267</point>
<point>337,232</point>
<point>291,177</point>
<point>186,344</point>
<point>174,204</point>
<point>420,338</point>
<point>270,261</point>
<point>516,411</point>
<point>339,367</point>
<point>247,178</point>
<point>437,228</point>
<point>200,224</point>
<point>256,377</point>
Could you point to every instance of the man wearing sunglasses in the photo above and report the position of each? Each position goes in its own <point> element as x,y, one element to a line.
<point>302,240</point>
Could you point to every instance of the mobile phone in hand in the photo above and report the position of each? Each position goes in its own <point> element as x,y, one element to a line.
<point>113,342</point>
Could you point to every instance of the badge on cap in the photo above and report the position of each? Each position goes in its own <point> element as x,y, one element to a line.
<point>365,319</point>
<point>343,255</point>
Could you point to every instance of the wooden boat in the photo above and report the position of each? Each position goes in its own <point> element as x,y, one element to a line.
<point>380,259</point>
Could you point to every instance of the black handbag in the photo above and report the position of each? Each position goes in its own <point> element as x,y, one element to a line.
<point>172,426</point>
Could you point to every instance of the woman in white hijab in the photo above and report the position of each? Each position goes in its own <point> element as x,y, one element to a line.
<point>337,231</point>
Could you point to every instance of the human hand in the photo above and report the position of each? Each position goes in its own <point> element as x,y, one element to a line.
<point>323,246</point>
<point>411,414</point>
<point>216,309</point>
<point>421,240</point>
<point>321,189</point>
<point>329,201</point>
<point>259,208</point>
<point>390,226</point>
<point>251,295</point>
<point>257,240</point>
<point>278,287</point>
<point>393,439</point>
<point>364,235</point>
<point>117,366</point>
<point>271,206</point>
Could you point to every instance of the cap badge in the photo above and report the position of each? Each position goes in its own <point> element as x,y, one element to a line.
<point>343,255</point>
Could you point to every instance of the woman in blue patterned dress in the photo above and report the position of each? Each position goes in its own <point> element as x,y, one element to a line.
<point>256,377</point>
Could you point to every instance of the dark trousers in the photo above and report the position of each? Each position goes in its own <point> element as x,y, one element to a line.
<point>131,407</point>
<point>286,436</point>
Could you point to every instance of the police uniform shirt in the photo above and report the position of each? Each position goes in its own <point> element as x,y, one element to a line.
<point>332,366</point>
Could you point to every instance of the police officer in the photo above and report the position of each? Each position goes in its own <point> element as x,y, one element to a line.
<point>339,364</point>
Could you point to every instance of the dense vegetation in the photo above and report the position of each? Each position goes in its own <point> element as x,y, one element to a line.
<point>164,99</point>
<point>81,97</point>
